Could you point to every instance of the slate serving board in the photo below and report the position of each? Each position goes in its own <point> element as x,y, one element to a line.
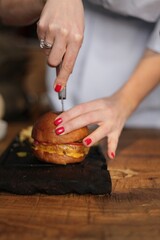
<point>25,174</point>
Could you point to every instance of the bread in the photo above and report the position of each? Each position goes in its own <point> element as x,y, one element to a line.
<point>59,149</point>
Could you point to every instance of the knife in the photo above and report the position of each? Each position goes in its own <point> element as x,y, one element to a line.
<point>61,94</point>
<point>62,97</point>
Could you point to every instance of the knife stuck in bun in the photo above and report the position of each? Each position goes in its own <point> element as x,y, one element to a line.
<point>58,149</point>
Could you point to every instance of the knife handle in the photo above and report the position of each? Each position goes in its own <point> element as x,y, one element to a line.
<point>62,94</point>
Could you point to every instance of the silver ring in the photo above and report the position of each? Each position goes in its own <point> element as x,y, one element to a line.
<point>45,45</point>
<point>41,43</point>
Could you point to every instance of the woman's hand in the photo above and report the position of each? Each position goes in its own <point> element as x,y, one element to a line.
<point>108,113</point>
<point>61,24</point>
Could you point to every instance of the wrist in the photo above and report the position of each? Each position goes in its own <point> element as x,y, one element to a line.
<point>126,101</point>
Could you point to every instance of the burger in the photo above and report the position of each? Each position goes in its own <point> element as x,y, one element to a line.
<point>58,149</point>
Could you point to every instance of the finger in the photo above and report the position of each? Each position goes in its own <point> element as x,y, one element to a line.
<point>48,42</point>
<point>47,51</point>
<point>79,122</point>
<point>41,30</point>
<point>58,37</point>
<point>112,144</point>
<point>82,109</point>
<point>95,136</point>
<point>57,52</point>
<point>68,63</point>
<point>46,34</point>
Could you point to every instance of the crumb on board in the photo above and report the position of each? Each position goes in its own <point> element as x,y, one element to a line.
<point>25,134</point>
<point>21,154</point>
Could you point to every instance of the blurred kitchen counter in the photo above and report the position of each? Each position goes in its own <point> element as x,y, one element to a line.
<point>131,212</point>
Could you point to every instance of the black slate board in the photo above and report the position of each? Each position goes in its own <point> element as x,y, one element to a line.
<point>27,175</point>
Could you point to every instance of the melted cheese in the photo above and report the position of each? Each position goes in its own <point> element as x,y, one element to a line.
<point>64,149</point>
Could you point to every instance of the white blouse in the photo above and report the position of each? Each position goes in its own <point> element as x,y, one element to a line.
<point>112,47</point>
<point>148,10</point>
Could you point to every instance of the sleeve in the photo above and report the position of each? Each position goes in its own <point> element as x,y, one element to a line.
<point>154,40</point>
<point>146,10</point>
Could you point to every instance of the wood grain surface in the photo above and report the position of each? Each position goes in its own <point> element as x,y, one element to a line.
<point>131,212</point>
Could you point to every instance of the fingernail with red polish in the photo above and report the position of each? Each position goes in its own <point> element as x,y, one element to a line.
<point>88,141</point>
<point>112,154</point>
<point>59,130</point>
<point>58,88</point>
<point>58,121</point>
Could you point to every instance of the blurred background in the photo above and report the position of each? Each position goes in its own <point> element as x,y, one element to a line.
<point>22,74</point>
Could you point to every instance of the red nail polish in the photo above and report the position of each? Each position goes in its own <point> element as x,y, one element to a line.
<point>58,88</point>
<point>58,121</point>
<point>112,154</point>
<point>59,130</point>
<point>88,141</point>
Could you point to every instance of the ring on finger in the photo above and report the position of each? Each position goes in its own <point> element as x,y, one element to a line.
<point>41,43</point>
<point>45,45</point>
<point>48,45</point>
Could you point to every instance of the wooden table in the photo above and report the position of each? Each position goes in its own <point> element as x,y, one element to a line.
<point>131,212</point>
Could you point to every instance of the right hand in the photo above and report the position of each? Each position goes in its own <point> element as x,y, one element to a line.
<point>62,24</point>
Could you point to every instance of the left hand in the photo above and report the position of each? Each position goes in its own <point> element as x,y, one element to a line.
<point>108,113</point>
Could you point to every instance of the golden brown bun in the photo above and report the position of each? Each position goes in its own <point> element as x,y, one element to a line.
<point>44,131</point>
<point>56,158</point>
<point>59,149</point>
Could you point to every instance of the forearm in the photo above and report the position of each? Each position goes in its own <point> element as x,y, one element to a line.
<point>20,12</point>
<point>143,80</point>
